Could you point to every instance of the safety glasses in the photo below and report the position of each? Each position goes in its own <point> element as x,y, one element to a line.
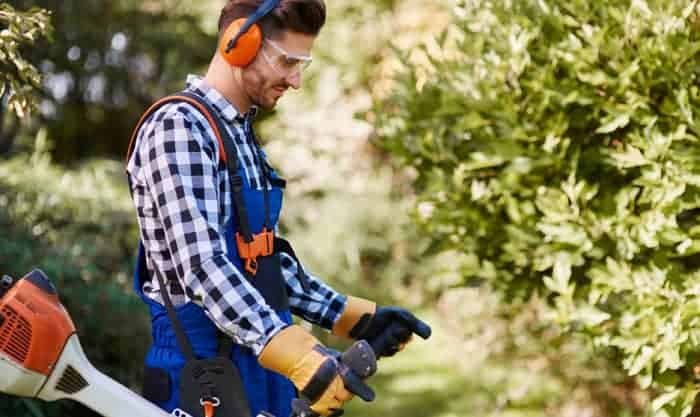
<point>285,63</point>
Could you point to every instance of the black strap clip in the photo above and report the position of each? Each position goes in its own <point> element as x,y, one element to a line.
<point>236,183</point>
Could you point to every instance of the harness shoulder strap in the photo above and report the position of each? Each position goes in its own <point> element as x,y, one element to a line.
<point>228,155</point>
<point>226,147</point>
<point>180,334</point>
<point>203,108</point>
<point>227,150</point>
<point>231,158</point>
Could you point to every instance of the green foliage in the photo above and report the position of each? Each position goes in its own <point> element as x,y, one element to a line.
<point>107,62</point>
<point>77,227</point>
<point>19,78</point>
<point>343,209</point>
<point>555,144</point>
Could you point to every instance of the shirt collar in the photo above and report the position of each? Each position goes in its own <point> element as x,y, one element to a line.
<point>226,109</point>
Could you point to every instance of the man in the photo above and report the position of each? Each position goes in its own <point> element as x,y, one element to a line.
<point>195,208</point>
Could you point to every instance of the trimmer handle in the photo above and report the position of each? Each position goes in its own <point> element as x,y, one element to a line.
<point>356,364</point>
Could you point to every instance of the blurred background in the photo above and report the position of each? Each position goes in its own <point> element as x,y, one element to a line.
<point>523,174</point>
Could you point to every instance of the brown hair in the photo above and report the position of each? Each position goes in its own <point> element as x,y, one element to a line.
<point>303,16</point>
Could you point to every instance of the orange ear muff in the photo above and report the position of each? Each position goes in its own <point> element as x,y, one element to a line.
<point>246,47</point>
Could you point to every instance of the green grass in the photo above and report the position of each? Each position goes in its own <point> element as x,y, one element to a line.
<point>431,379</point>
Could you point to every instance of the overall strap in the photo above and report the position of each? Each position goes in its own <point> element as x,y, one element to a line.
<point>265,174</point>
<point>227,150</point>
<point>182,340</point>
<point>227,155</point>
<point>231,158</point>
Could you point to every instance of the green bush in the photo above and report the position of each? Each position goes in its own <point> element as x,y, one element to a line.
<point>77,227</point>
<point>527,365</point>
<point>555,145</point>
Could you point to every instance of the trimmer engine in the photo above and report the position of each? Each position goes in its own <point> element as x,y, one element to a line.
<point>41,357</point>
<point>34,328</point>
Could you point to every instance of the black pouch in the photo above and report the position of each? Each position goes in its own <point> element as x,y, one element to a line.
<point>214,379</point>
<point>156,385</point>
<point>270,283</point>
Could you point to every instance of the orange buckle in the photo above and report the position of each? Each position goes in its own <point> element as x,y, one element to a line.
<point>262,245</point>
<point>209,406</point>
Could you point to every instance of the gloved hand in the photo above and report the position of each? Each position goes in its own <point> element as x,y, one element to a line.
<point>296,354</point>
<point>390,329</point>
<point>386,329</point>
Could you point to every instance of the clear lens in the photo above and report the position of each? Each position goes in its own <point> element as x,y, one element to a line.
<point>286,63</point>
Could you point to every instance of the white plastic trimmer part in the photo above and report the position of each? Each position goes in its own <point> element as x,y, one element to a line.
<point>75,378</point>
<point>17,380</point>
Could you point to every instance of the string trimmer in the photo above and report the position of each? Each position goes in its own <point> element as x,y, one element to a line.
<point>41,356</point>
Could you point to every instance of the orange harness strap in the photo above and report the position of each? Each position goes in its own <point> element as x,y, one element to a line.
<point>173,98</point>
<point>262,244</point>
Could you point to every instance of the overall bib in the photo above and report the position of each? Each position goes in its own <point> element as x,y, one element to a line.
<point>265,390</point>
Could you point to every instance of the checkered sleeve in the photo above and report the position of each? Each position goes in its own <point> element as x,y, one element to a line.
<point>319,304</point>
<point>180,171</point>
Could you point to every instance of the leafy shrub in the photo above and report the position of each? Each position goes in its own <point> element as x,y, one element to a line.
<point>555,144</point>
<point>19,78</point>
<point>78,228</point>
<point>527,364</point>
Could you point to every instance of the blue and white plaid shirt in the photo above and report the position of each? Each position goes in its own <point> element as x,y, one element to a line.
<point>182,201</point>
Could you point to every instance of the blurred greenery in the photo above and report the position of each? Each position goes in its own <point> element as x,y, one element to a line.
<point>533,376</point>
<point>554,146</point>
<point>54,220</point>
<point>109,59</point>
<point>65,206</point>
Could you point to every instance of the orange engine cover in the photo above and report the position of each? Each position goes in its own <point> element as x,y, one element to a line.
<point>34,326</point>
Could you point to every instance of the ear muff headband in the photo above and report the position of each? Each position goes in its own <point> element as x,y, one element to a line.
<point>242,39</point>
<point>261,11</point>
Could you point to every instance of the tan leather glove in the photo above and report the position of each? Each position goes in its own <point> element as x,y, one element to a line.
<point>296,354</point>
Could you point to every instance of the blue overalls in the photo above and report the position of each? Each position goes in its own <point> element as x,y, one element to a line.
<point>266,390</point>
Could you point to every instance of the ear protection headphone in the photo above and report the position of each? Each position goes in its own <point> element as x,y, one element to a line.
<point>242,38</point>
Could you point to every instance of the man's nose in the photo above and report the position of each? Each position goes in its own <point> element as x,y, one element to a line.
<point>294,79</point>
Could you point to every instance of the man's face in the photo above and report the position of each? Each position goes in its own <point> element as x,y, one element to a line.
<point>267,78</point>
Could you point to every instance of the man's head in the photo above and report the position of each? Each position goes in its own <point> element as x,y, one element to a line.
<point>289,31</point>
